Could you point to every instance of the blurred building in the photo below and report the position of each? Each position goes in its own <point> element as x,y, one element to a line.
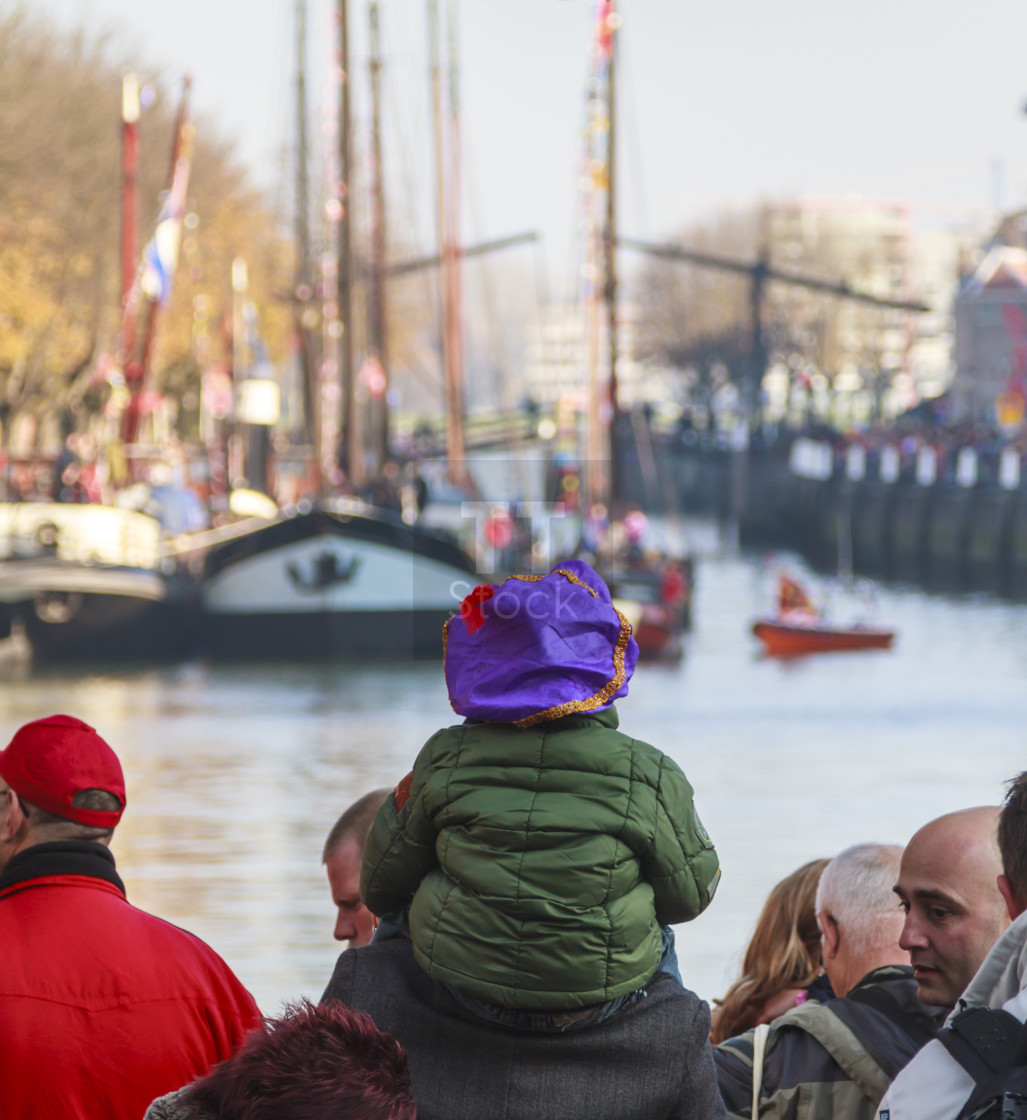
<point>869,247</point>
<point>882,361</point>
<point>939,257</point>
<point>556,360</point>
<point>895,357</point>
<point>991,328</point>
<point>555,356</point>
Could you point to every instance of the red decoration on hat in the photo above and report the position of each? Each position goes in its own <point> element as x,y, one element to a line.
<point>470,608</point>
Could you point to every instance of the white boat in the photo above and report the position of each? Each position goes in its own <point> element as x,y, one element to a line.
<point>332,578</point>
<point>92,582</point>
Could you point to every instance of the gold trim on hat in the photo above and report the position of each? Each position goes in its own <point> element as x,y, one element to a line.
<point>590,703</point>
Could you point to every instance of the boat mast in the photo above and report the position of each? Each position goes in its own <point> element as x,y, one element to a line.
<point>609,255</point>
<point>435,80</point>
<point>302,288</point>
<point>344,274</point>
<point>448,289</point>
<point>376,293</point>
<point>599,289</point>
<point>129,203</point>
<point>130,291</point>
<point>302,170</point>
<point>455,375</point>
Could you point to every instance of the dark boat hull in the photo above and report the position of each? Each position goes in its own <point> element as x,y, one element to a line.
<point>8,613</point>
<point>90,583</point>
<point>104,628</point>
<point>339,580</point>
<point>72,612</point>
<point>325,634</point>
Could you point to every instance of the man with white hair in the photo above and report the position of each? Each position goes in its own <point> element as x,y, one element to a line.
<point>837,1058</point>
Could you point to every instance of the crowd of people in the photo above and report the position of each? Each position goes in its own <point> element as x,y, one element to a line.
<point>909,441</point>
<point>508,910</point>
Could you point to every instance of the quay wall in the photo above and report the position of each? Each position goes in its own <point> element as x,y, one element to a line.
<point>960,531</point>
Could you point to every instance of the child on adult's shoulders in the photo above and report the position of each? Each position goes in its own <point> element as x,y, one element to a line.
<point>539,853</point>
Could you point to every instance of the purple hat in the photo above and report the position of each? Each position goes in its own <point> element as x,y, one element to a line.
<point>534,648</point>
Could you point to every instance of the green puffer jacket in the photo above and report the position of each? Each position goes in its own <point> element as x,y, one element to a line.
<point>541,861</point>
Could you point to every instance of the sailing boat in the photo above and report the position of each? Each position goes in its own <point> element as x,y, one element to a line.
<point>87,581</point>
<point>652,588</point>
<point>332,576</point>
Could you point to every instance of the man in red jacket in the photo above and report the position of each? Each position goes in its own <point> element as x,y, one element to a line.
<point>103,1007</point>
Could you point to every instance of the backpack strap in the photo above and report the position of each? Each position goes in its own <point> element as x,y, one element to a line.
<point>838,1039</point>
<point>759,1049</point>
<point>985,1041</point>
<point>1008,1106</point>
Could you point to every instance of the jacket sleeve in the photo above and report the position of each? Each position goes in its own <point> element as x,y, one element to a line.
<point>241,1017</point>
<point>734,1060</point>
<point>400,846</point>
<point>231,1011</point>
<point>681,865</point>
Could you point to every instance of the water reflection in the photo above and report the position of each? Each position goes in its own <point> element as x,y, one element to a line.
<point>235,773</point>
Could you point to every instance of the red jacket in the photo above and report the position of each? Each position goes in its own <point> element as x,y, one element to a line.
<point>104,1007</point>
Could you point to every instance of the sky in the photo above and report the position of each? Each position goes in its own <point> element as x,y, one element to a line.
<point>721,105</point>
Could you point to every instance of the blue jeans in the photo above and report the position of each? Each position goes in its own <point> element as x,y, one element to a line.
<point>522,1019</point>
<point>669,959</point>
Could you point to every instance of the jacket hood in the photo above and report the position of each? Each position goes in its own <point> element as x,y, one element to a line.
<point>1003,975</point>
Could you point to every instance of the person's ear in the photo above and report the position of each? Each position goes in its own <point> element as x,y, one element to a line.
<point>1014,904</point>
<point>12,821</point>
<point>830,934</point>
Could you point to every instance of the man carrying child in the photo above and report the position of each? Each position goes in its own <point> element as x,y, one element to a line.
<point>531,865</point>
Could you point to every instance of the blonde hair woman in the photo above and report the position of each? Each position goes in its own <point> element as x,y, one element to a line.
<point>782,959</point>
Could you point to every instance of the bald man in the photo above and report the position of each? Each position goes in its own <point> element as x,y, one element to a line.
<point>343,851</point>
<point>948,889</point>
<point>936,1085</point>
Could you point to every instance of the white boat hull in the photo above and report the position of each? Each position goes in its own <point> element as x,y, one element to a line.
<point>336,580</point>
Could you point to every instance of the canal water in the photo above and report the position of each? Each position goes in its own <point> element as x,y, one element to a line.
<point>235,773</point>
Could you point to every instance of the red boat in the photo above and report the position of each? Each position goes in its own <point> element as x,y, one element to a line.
<point>657,602</point>
<point>784,640</point>
<point>656,629</point>
<point>798,628</point>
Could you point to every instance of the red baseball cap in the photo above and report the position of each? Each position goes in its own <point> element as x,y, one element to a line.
<point>50,760</point>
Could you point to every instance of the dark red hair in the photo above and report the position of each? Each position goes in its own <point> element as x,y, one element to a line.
<point>324,1062</point>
